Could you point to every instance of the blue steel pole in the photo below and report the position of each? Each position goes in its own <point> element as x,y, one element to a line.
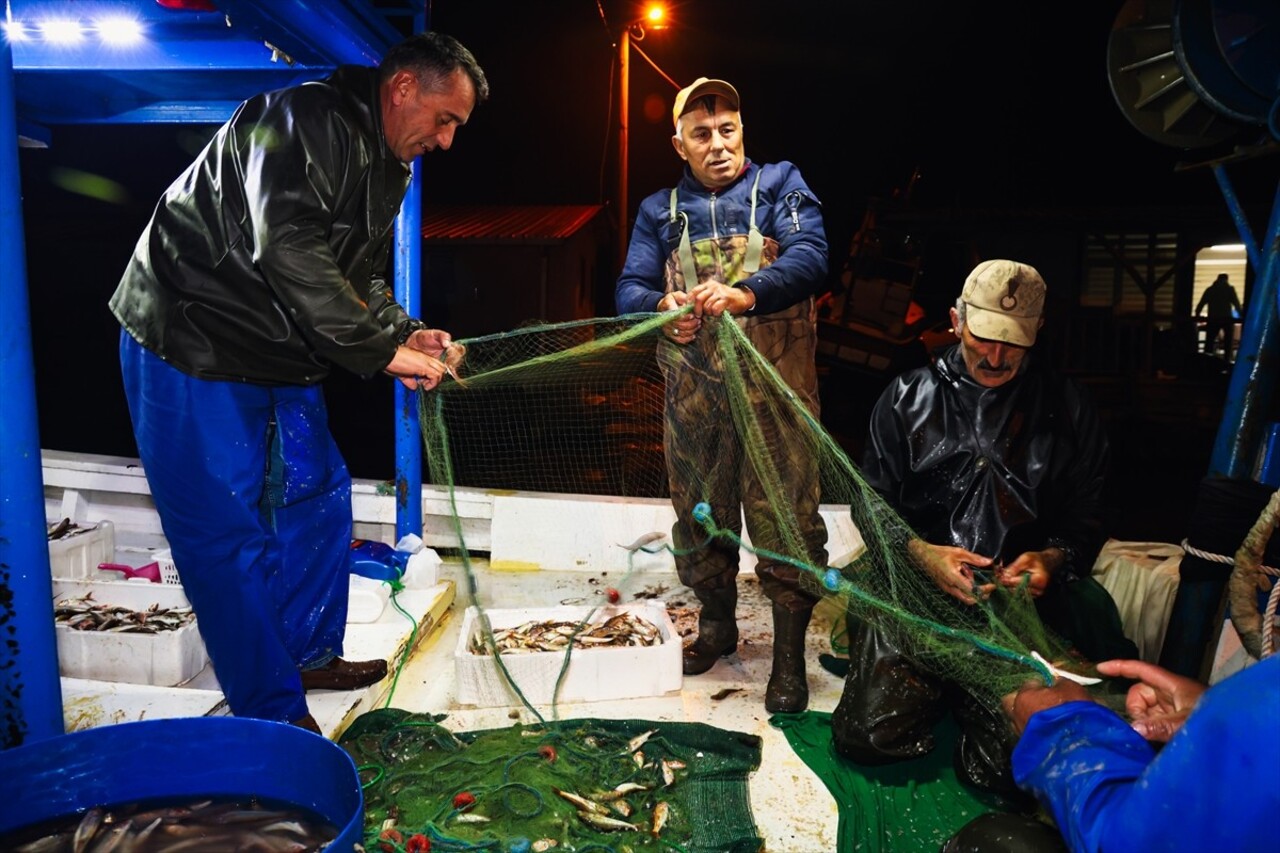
<point>32,691</point>
<point>1253,379</point>
<point>408,292</point>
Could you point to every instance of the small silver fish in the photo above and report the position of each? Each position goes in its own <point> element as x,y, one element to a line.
<point>639,740</point>
<point>87,829</point>
<point>582,802</point>
<point>605,823</point>
<point>644,540</point>
<point>661,813</point>
<point>468,817</point>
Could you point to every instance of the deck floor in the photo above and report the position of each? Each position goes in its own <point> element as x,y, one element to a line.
<point>793,810</point>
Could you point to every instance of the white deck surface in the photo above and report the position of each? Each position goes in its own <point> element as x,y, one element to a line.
<point>793,811</point>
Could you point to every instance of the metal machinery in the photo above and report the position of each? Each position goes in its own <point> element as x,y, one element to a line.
<point>1204,76</point>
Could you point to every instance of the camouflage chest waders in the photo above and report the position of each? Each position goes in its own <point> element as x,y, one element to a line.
<point>706,462</point>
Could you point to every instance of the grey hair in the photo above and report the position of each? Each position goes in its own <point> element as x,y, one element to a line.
<point>962,309</point>
<point>433,57</point>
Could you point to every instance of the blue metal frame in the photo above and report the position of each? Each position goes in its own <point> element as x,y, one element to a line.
<point>194,67</point>
<point>30,651</point>
<point>408,292</point>
<point>1253,379</point>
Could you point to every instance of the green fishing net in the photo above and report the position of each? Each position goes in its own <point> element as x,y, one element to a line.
<point>579,408</point>
<point>575,785</point>
<point>610,407</point>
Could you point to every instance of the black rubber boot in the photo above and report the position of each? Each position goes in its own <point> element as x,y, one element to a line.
<point>788,690</point>
<point>717,630</point>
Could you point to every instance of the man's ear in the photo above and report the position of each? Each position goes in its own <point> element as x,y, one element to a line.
<point>678,144</point>
<point>402,83</point>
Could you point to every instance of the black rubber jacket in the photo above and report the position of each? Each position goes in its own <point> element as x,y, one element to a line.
<point>999,471</point>
<point>265,261</point>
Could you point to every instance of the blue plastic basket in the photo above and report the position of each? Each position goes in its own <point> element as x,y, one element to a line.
<point>217,757</point>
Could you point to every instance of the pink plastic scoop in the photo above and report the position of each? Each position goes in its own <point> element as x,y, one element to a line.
<point>151,571</point>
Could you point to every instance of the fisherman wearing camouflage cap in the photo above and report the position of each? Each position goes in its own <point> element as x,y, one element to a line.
<point>998,464</point>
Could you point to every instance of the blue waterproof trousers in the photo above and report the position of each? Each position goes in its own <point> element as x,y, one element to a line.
<point>255,500</point>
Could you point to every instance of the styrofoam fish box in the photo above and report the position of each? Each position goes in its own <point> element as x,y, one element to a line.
<point>594,674</point>
<point>163,659</point>
<point>78,554</point>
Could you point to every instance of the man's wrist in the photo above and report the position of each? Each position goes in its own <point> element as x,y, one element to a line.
<point>1054,558</point>
<point>410,327</point>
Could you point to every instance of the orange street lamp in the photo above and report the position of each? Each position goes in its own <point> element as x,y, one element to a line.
<point>654,17</point>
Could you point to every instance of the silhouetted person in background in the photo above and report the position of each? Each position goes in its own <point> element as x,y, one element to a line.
<point>1224,307</point>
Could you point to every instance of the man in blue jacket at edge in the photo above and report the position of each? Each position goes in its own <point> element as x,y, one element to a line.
<point>745,240</point>
<point>1192,770</point>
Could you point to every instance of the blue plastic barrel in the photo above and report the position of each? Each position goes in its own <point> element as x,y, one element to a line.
<point>215,757</point>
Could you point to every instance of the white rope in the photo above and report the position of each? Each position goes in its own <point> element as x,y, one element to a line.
<point>1273,600</point>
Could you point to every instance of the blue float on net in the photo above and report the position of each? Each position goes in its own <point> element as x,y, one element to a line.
<point>519,845</point>
<point>831,580</point>
<point>702,513</point>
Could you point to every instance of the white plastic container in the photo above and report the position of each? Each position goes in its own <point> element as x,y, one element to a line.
<point>366,599</point>
<point>164,659</point>
<point>423,570</point>
<point>78,554</point>
<point>594,674</point>
<point>168,571</point>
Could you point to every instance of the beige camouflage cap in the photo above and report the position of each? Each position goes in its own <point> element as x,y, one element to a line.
<point>1005,300</point>
<point>701,88</point>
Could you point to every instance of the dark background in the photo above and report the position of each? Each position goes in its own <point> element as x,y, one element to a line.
<point>996,104</point>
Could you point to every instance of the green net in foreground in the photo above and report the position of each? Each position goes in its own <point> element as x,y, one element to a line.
<point>611,407</point>
<point>578,785</point>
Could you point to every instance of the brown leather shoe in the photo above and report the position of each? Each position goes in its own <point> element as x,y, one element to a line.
<point>309,723</point>
<point>339,674</point>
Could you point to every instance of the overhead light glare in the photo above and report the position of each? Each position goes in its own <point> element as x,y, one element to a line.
<point>119,31</point>
<point>61,31</point>
<point>15,31</point>
<point>1227,247</point>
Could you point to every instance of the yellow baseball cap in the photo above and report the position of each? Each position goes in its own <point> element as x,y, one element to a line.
<point>702,87</point>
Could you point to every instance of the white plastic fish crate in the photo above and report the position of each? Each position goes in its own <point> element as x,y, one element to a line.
<point>594,674</point>
<point>168,571</point>
<point>78,554</point>
<point>163,659</point>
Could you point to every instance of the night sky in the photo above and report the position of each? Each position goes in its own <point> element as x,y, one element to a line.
<point>1001,105</point>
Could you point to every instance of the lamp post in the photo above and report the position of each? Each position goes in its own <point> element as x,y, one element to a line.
<point>654,17</point>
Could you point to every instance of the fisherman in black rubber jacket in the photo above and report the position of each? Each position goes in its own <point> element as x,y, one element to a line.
<point>744,240</point>
<point>999,465</point>
<point>262,268</point>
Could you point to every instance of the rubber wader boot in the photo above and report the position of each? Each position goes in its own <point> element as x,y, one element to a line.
<point>788,690</point>
<point>717,630</point>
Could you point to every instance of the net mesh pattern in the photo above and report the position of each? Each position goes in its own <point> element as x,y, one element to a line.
<point>611,407</point>
<point>579,408</point>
